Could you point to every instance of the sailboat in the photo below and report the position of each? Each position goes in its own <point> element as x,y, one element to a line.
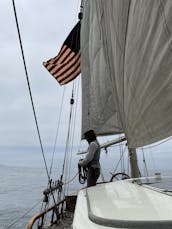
<point>126,63</point>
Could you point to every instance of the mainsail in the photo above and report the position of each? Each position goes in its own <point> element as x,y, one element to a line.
<point>126,65</point>
<point>99,111</point>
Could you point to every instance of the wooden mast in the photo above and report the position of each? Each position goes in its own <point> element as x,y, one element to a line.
<point>133,163</point>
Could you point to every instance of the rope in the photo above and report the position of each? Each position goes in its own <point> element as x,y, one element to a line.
<point>74,124</point>
<point>119,160</point>
<point>30,93</point>
<point>144,161</point>
<point>22,216</point>
<point>65,162</point>
<point>101,173</point>
<point>71,179</point>
<point>55,143</point>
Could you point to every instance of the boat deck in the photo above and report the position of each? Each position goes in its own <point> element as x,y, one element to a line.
<point>133,203</point>
<point>64,223</point>
<point>124,204</point>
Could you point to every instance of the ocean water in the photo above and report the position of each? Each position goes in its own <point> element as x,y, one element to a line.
<point>20,189</point>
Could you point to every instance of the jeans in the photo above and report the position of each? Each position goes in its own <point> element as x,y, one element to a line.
<point>92,176</point>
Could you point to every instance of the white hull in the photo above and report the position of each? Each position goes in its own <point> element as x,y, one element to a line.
<point>122,204</point>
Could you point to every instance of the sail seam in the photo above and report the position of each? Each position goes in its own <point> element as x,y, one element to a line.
<point>165,25</point>
<point>124,54</point>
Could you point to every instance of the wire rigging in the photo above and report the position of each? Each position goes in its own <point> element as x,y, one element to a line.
<point>121,156</point>
<point>31,98</point>
<point>70,138</point>
<point>30,92</point>
<point>57,131</point>
<point>145,164</point>
<point>73,130</point>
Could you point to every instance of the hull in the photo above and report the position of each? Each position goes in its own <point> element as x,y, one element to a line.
<point>121,204</point>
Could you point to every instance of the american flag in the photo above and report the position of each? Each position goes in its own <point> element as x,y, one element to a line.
<point>66,65</point>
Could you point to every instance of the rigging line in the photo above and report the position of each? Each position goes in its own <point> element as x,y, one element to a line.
<point>46,206</point>
<point>55,143</point>
<point>73,178</point>
<point>67,140</point>
<point>101,173</point>
<point>120,150</point>
<point>122,160</point>
<point>22,216</point>
<point>70,119</point>
<point>119,160</point>
<point>70,144</point>
<point>70,154</point>
<point>73,129</point>
<point>144,161</point>
<point>128,164</point>
<point>70,139</point>
<point>30,93</point>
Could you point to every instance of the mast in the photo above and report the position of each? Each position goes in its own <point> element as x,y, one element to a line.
<point>133,163</point>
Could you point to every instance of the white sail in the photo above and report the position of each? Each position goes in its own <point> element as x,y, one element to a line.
<point>130,58</point>
<point>99,111</point>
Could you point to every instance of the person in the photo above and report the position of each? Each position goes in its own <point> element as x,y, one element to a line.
<point>91,161</point>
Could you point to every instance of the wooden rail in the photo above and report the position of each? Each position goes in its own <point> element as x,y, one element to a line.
<point>42,214</point>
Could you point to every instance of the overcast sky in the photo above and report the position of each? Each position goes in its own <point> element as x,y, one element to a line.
<point>44,25</point>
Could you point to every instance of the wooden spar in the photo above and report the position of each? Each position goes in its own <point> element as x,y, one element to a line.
<point>107,144</point>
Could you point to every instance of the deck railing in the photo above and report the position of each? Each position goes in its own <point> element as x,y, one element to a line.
<point>56,211</point>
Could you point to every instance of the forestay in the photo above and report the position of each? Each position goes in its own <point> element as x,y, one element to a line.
<point>127,68</point>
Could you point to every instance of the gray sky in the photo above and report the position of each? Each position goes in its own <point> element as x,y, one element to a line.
<point>44,25</point>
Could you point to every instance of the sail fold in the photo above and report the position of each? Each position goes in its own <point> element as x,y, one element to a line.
<point>126,65</point>
<point>98,105</point>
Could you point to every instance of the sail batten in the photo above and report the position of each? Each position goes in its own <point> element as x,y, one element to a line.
<point>127,69</point>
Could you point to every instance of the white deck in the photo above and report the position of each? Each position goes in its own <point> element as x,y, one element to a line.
<point>122,205</point>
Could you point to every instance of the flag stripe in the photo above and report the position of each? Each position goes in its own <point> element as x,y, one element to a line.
<point>69,72</point>
<point>66,65</point>
<point>63,58</point>
<point>66,56</point>
<point>63,50</point>
<point>63,55</point>
<point>71,77</point>
<point>54,68</point>
<point>54,59</point>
